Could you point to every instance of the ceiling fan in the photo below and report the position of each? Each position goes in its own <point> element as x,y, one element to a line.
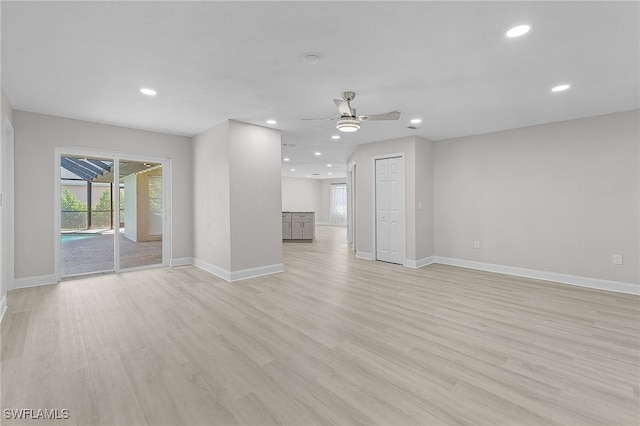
<point>349,121</point>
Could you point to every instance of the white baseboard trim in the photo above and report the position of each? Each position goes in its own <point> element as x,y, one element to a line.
<point>34,281</point>
<point>323,223</point>
<point>425,261</point>
<point>244,274</point>
<point>181,261</point>
<point>212,269</point>
<point>614,286</point>
<point>364,256</point>
<point>3,307</point>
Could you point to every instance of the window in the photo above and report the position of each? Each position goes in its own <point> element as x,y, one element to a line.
<point>338,208</point>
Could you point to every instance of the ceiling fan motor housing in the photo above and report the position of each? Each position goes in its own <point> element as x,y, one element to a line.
<point>348,96</point>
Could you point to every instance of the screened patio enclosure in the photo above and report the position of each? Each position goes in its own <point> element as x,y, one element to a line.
<point>90,218</point>
<point>87,194</point>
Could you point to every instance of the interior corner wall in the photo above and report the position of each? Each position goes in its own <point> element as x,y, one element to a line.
<point>365,193</point>
<point>5,106</point>
<point>424,157</point>
<point>560,197</point>
<point>324,201</point>
<point>255,198</point>
<point>212,209</point>
<point>37,136</point>
<point>300,195</point>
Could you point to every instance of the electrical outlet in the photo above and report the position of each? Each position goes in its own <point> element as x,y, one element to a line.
<point>617,259</point>
<point>476,244</point>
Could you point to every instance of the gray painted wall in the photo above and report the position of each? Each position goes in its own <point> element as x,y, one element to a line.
<point>300,195</point>
<point>424,157</point>
<point>5,110</point>
<point>559,197</point>
<point>212,209</point>
<point>256,196</point>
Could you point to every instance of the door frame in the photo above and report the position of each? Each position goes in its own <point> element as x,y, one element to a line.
<point>374,233</point>
<point>351,205</point>
<point>7,180</point>
<point>116,156</point>
<point>166,209</point>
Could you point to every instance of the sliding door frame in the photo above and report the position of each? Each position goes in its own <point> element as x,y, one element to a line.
<point>116,157</point>
<point>166,210</point>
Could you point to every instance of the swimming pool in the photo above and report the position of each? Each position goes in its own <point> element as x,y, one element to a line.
<point>65,238</point>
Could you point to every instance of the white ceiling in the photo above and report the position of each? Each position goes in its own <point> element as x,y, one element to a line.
<point>448,63</point>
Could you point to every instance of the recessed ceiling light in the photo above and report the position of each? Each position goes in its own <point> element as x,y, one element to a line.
<point>560,88</point>
<point>518,31</point>
<point>272,122</point>
<point>147,91</point>
<point>285,159</point>
<point>335,137</point>
<point>416,120</point>
<point>317,154</point>
<point>330,174</point>
<point>329,165</point>
<point>293,170</point>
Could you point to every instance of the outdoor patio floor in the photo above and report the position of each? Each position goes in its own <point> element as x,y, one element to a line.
<point>95,254</point>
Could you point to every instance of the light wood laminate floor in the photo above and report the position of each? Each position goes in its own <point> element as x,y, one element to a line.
<point>333,340</point>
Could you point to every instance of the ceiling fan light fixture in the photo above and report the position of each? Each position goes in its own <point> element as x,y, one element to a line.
<point>348,125</point>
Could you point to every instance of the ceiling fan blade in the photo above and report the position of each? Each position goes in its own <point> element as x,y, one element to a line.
<point>317,119</point>
<point>343,107</point>
<point>393,115</point>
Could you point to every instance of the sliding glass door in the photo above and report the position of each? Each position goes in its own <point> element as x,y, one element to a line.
<point>102,197</point>
<point>141,213</point>
<point>86,217</point>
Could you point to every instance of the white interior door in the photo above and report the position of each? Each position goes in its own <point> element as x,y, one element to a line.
<point>382,210</point>
<point>396,211</point>
<point>389,210</point>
